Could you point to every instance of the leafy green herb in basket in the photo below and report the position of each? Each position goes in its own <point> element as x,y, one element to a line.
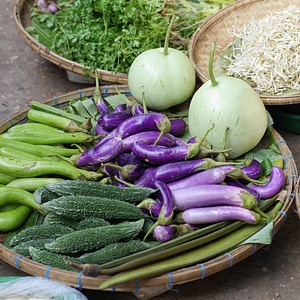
<point>110,34</point>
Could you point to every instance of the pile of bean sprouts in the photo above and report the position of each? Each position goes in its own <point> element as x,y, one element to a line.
<point>269,52</point>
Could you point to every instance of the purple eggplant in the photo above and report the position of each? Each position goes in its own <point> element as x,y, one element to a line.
<point>104,152</point>
<point>113,120</point>
<point>177,170</point>
<point>114,175</point>
<point>213,214</point>
<point>140,123</point>
<point>137,109</point>
<point>167,203</point>
<point>102,107</point>
<point>157,154</point>
<point>100,130</point>
<point>164,233</point>
<point>149,137</point>
<point>151,206</point>
<point>181,142</point>
<point>212,195</point>
<point>253,170</point>
<point>167,206</point>
<point>155,208</point>
<point>129,165</point>
<point>237,173</point>
<point>145,178</point>
<point>273,186</point>
<point>238,184</point>
<point>211,176</point>
<point>120,107</point>
<point>178,127</point>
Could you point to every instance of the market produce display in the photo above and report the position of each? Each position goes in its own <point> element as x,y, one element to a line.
<point>136,186</point>
<point>128,187</point>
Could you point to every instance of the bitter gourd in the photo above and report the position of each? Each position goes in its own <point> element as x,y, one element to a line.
<point>53,218</point>
<point>23,248</point>
<point>38,232</point>
<point>49,258</point>
<point>91,222</point>
<point>42,195</point>
<point>98,189</point>
<point>92,239</point>
<point>80,207</point>
<point>114,251</point>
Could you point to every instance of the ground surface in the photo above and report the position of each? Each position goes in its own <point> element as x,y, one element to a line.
<point>271,273</point>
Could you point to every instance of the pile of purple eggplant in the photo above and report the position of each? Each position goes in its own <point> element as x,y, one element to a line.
<point>143,148</point>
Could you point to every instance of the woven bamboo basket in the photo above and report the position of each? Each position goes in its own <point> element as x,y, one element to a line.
<point>21,17</point>
<point>149,287</point>
<point>216,28</point>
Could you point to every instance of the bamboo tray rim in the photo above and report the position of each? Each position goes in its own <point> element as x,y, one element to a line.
<point>21,16</point>
<point>149,287</point>
<point>214,29</point>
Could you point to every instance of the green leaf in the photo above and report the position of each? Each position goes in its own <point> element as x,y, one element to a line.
<point>264,236</point>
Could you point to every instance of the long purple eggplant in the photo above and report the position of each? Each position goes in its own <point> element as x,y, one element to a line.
<point>239,184</point>
<point>151,206</point>
<point>273,186</point>
<point>237,173</point>
<point>146,178</point>
<point>167,206</point>
<point>213,214</point>
<point>212,195</point>
<point>253,170</point>
<point>102,153</point>
<point>178,126</point>
<point>140,123</point>
<point>120,107</point>
<point>156,154</point>
<point>177,170</point>
<point>149,137</point>
<point>115,176</point>
<point>211,176</point>
<point>129,166</point>
<point>113,120</point>
<point>100,130</point>
<point>102,106</point>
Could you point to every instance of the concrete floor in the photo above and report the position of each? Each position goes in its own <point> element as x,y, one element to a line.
<point>269,274</point>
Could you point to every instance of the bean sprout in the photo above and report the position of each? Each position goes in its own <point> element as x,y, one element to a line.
<point>268,52</point>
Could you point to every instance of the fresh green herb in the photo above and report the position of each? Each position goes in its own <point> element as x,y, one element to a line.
<point>110,34</point>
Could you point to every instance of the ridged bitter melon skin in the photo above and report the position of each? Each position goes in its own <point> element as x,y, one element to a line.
<point>97,189</point>
<point>114,251</point>
<point>92,239</point>
<point>81,207</point>
<point>40,231</point>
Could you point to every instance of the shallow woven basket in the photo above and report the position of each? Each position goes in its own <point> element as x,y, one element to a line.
<point>216,28</point>
<point>150,287</point>
<point>21,16</point>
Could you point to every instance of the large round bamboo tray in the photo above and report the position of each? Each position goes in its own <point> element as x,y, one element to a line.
<point>21,16</point>
<point>150,287</point>
<point>216,28</point>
